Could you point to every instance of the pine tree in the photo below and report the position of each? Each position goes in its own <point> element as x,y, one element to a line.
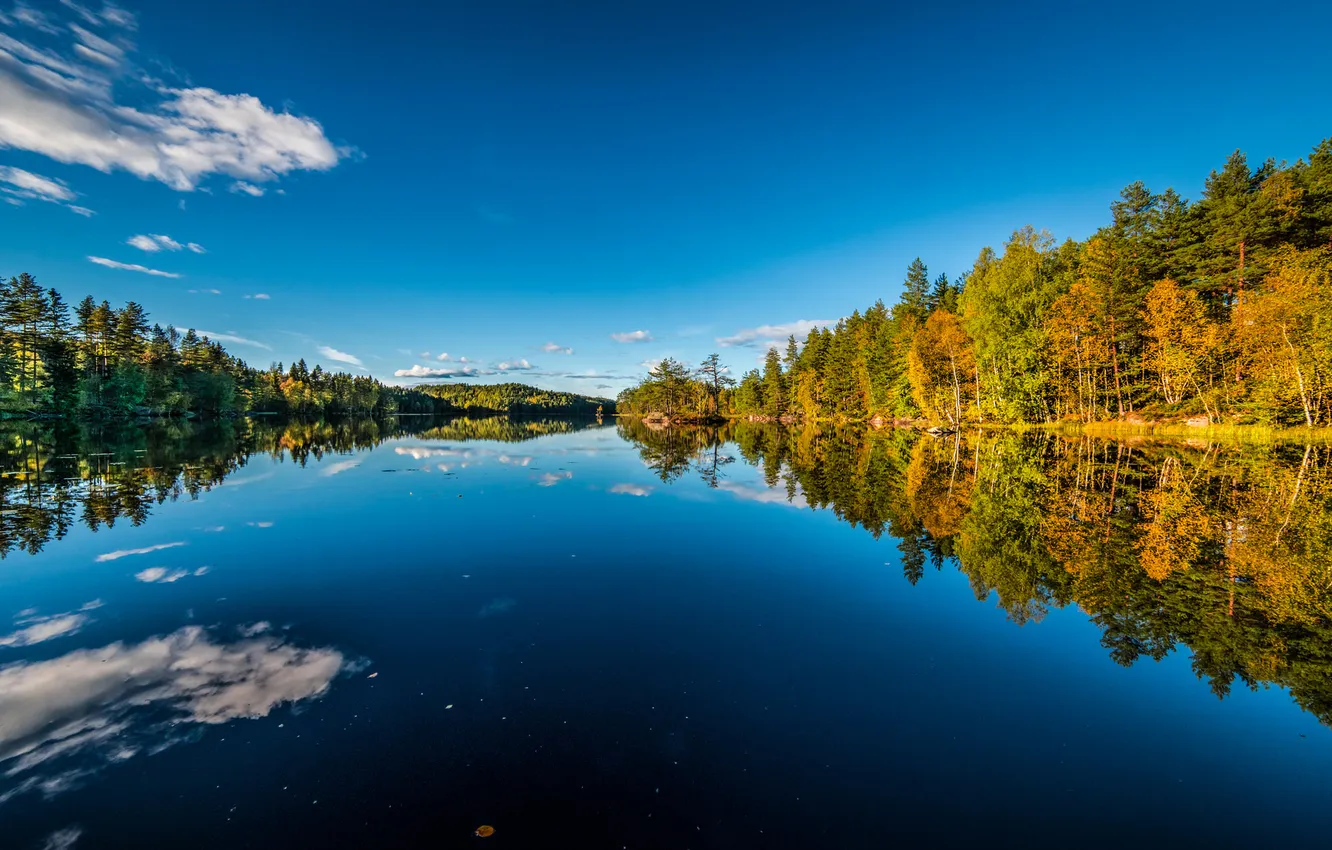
<point>916,289</point>
<point>774,384</point>
<point>943,296</point>
<point>59,357</point>
<point>715,379</point>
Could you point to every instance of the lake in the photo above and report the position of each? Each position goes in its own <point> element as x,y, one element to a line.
<point>258,634</point>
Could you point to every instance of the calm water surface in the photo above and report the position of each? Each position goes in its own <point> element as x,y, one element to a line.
<point>257,635</point>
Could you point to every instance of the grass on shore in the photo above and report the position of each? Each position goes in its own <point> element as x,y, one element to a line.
<point>1224,432</point>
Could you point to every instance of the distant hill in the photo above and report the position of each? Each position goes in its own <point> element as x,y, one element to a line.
<point>517,398</point>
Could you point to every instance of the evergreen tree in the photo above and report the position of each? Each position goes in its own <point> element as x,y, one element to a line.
<point>774,384</point>
<point>715,380</point>
<point>916,289</point>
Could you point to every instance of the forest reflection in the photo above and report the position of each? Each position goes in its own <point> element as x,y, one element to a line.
<point>54,475</point>
<point>1225,549</point>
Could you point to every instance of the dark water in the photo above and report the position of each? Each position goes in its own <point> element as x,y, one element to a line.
<point>257,635</point>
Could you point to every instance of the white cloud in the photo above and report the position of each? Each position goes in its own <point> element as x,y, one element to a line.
<point>236,340</point>
<point>158,242</point>
<point>631,490</point>
<point>74,106</point>
<point>110,15</point>
<point>108,53</point>
<point>515,366</point>
<point>130,267</point>
<point>260,296</point>
<point>550,479</point>
<point>165,576</point>
<point>632,336</point>
<point>419,371</point>
<point>556,348</point>
<point>206,291</point>
<point>29,16</point>
<point>47,188</point>
<point>92,707</point>
<point>774,333</point>
<point>248,188</point>
<point>264,524</point>
<point>24,185</point>
<point>340,356</point>
<point>124,553</point>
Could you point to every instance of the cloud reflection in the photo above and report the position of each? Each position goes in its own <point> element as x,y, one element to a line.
<point>764,495</point>
<point>424,452</point>
<point>125,553</point>
<point>63,839</point>
<point>340,466</point>
<point>631,490</point>
<point>165,576</point>
<point>71,715</point>
<point>39,629</point>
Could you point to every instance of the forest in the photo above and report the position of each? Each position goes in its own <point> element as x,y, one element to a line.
<point>1214,311</point>
<point>99,362</point>
<point>517,399</point>
<point>1225,549</point>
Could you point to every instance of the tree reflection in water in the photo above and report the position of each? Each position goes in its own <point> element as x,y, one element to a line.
<point>56,475</point>
<point>1224,548</point>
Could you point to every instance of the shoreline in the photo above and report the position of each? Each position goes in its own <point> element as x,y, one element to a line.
<point>1109,429</point>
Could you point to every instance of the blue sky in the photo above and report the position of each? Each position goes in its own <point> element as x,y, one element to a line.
<point>508,181</point>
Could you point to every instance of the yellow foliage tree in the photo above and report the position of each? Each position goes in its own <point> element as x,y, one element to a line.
<point>941,367</point>
<point>1181,341</point>
<point>1285,334</point>
<point>1080,346</point>
<point>1177,524</point>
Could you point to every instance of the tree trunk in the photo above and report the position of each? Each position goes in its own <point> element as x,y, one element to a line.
<point>1299,375</point>
<point>957,389</point>
<point>1114,359</point>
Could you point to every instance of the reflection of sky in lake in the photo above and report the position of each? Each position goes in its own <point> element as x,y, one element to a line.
<point>628,661</point>
<point>61,718</point>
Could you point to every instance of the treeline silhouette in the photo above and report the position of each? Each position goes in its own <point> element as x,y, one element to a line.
<point>1219,310</point>
<point>1221,548</point>
<point>104,363</point>
<point>518,399</point>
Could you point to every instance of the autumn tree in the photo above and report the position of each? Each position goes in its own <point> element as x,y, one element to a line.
<point>1285,336</point>
<point>942,367</point>
<point>1181,342</point>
